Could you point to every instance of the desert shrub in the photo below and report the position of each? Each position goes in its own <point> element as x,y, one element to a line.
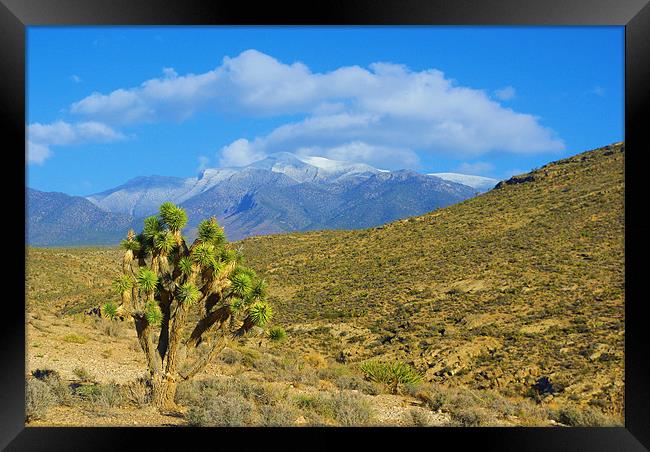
<point>249,357</point>
<point>264,395</point>
<point>347,408</point>
<point>230,356</point>
<point>100,396</point>
<point>137,392</point>
<point>315,360</point>
<point>291,368</point>
<point>390,373</point>
<point>87,392</point>
<point>110,328</point>
<point>39,399</point>
<point>528,412</point>
<point>109,396</point>
<point>356,382</point>
<point>196,393</point>
<point>277,334</point>
<point>307,401</point>
<point>472,416</point>
<point>418,417</point>
<point>334,371</point>
<point>59,388</point>
<point>351,409</point>
<point>75,338</point>
<point>189,392</point>
<point>82,374</point>
<point>277,415</point>
<point>465,406</point>
<point>227,411</point>
<point>583,417</point>
<point>433,397</point>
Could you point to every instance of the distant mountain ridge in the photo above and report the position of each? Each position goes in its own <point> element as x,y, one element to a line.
<point>280,193</point>
<point>60,219</point>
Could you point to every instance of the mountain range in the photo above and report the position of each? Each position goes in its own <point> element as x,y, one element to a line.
<point>280,193</point>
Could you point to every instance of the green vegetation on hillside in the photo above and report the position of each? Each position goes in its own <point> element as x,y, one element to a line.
<point>523,282</point>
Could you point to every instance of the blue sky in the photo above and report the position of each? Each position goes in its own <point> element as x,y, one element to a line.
<point>106,104</point>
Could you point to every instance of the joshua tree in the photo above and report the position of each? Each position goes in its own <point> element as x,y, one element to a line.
<point>167,288</point>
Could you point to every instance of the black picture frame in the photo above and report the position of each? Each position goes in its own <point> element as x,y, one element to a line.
<point>15,15</point>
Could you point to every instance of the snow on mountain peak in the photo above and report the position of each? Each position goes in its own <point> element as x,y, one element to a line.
<point>478,182</point>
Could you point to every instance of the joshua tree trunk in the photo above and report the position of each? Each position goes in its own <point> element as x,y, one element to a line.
<point>163,392</point>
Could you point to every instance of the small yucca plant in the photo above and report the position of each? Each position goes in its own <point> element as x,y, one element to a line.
<point>109,310</point>
<point>260,313</point>
<point>390,373</point>
<point>277,334</point>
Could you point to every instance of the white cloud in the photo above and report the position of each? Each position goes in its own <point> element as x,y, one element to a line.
<point>240,153</point>
<point>204,162</point>
<point>36,153</point>
<point>75,78</point>
<point>385,107</point>
<point>41,136</point>
<point>507,93</point>
<point>476,168</point>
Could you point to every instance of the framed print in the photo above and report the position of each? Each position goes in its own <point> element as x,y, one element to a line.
<point>365,219</point>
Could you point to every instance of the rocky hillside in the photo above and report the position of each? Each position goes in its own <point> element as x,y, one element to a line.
<point>520,289</point>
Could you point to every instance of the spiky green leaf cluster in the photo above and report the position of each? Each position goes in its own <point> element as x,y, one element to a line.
<point>241,285</point>
<point>122,284</point>
<point>152,313</point>
<point>203,254</point>
<point>277,334</point>
<point>259,290</point>
<point>164,242</point>
<point>152,226</point>
<point>260,313</point>
<point>237,305</point>
<point>147,280</point>
<point>390,373</point>
<point>188,293</point>
<point>211,232</point>
<point>173,216</point>
<point>109,310</point>
<point>240,269</point>
<point>132,245</point>
<point>185,265</point>
<point>228,255</point>
<point>217,266</point>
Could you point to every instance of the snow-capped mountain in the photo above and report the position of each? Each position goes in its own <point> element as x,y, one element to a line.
<point>284,192</point>
<point>142,196</point>
<point>480,183</point>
